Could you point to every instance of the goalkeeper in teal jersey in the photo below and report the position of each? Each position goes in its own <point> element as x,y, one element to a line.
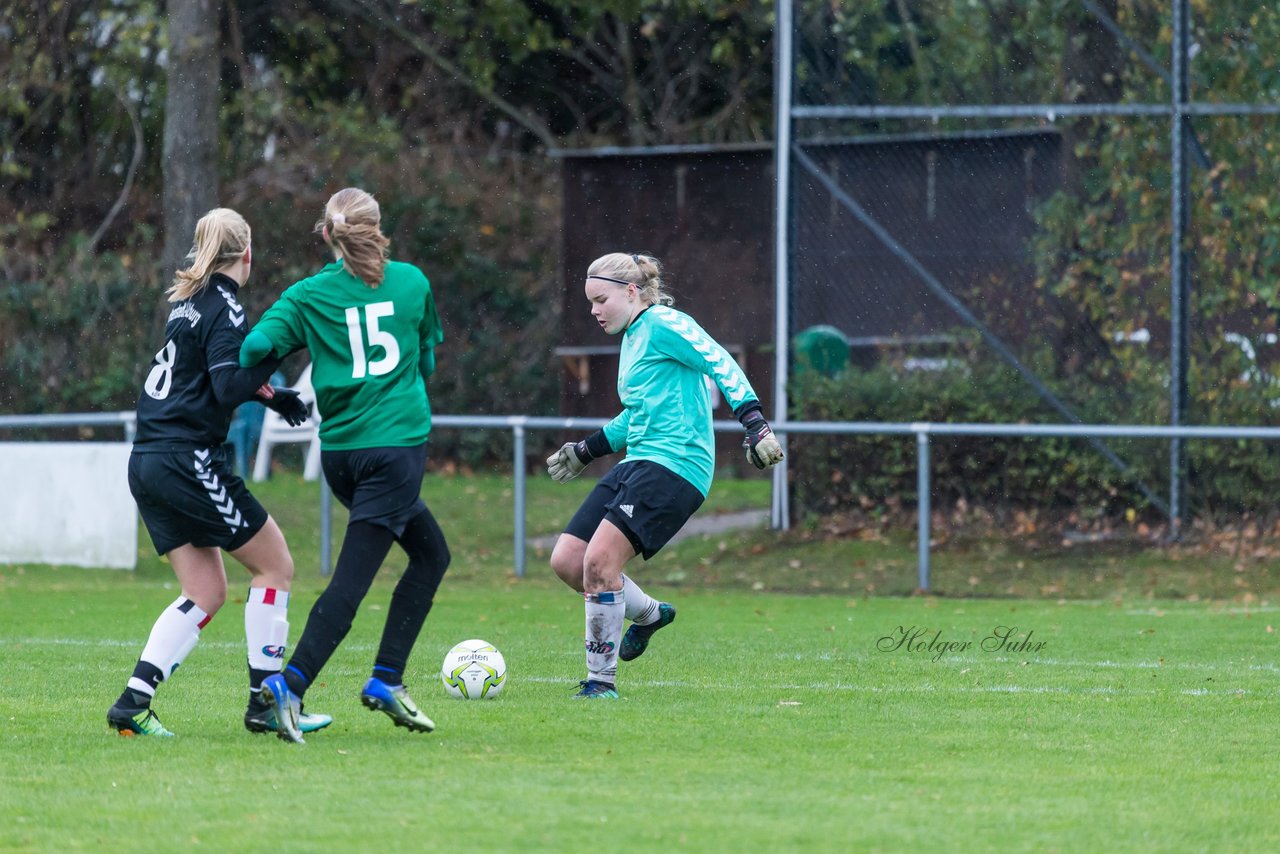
<point>665,427</point>
<point>371,327</point>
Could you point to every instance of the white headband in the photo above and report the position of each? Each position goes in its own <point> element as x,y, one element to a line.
<point>339,217</point>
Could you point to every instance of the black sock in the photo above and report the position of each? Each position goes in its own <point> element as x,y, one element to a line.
<point>386,674</point>
<point>297,682</point>
<point>363,550</point>
<point>411,601</point>
<point>145,671</point>
<point>256,677</point>
<point>131,699</point>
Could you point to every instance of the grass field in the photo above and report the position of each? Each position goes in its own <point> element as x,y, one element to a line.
<point>761,720</point>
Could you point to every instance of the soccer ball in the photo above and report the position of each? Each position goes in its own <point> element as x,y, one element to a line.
<point>474,670</point>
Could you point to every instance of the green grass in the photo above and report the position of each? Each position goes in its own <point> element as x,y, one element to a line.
<point>761,720</point>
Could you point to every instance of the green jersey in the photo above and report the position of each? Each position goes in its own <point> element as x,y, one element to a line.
<point>366,344</point>
<point>666,418</point>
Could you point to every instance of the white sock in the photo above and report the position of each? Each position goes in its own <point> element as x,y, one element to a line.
<point>604,634</point>
<point>642,609</point>
<point>172,638</point>
<point>266,628</point>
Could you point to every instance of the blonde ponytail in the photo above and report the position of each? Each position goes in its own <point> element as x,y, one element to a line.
<point>653,289</point>
<point>354,222</point>
<point>222,236</point>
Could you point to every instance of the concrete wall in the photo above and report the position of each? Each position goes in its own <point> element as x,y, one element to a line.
<point>67,503</point>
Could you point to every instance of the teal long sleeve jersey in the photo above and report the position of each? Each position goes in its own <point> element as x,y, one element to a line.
<point>666,416</point>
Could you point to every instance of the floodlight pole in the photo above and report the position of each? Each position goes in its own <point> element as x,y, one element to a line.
<point>1179,280</point>
<point>779,511</point>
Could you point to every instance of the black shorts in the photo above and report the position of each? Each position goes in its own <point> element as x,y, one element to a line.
<point>382,486</point>
<point>646,501</point>
<point>193,497</point>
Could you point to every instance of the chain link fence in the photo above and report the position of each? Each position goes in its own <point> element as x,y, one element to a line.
<point>1046,212</point>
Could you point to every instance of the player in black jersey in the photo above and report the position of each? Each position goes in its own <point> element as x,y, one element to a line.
<point>181,474</point>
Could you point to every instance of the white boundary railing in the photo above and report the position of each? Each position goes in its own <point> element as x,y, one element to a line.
<point>519,425</point>
<point>127,421</point>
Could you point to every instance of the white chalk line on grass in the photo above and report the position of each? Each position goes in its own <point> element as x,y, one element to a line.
<point>969,659</point>
<point>837,686</point>
<point>1108,664</point>
<point>951,659</point>
<point>954,659</point>
<point>1207,610</point>
<point>925,688</point>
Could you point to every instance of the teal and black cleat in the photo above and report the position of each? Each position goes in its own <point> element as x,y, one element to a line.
<point>285,708</point>
<point>395,703</point>
<point>308,722</point>
<point>636,640</point>
<point>136,722</point>
<point>259,717</point>
<point>593,690</point>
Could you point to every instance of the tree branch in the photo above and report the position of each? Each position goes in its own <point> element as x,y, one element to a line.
<point>387,22</point>
<point>134,163</point>
<point>913,46</point>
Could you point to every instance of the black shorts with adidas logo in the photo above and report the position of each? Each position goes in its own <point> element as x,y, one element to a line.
<point>645,500</point>
<point>193,496</point>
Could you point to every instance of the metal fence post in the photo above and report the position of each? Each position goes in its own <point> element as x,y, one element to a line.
<point>923,490</point>
<point>1180,295</point>
<point>326,528</point>
<point>517,430</point>
<point>780,510</point>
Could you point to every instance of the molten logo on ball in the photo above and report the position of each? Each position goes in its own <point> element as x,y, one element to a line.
<point>474,670</point>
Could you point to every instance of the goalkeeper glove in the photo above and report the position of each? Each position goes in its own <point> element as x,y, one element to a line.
<point>568,462</point>
<point>287,403</point>
<point>762,447</point>
<point>565,464</point>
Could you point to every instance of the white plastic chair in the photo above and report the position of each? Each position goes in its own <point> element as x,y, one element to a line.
<point>276,431</point>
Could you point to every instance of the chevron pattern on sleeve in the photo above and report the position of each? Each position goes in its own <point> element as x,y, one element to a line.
<point>236,316</point>
<point>720,364</point>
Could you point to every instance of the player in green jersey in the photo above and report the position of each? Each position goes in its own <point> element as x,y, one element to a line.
<point>371,327</point>
<point>665,427</point>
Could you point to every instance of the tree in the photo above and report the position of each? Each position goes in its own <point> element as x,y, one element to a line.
<point>190,164</point>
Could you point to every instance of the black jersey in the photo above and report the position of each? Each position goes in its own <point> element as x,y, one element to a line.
<point>187,398</point>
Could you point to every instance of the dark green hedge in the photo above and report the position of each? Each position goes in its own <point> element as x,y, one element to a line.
<point>78,328</point>
<point>1058,474</point>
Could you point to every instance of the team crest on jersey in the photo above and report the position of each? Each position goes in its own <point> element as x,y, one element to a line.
<point>237,313</point>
